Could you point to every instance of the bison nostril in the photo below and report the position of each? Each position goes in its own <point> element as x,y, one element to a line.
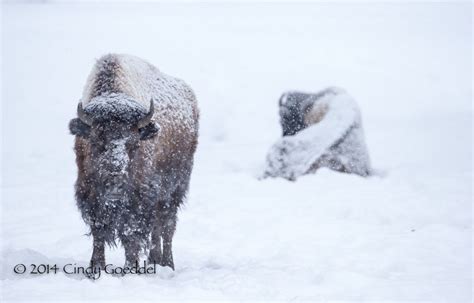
<point>114,193</point>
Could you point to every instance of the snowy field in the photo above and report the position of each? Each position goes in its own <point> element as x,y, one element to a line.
<point>402,235</point>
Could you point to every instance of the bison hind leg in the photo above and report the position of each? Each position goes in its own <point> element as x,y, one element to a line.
<point>155,254</point>
<point>162,235</point>
<point>166,226</point>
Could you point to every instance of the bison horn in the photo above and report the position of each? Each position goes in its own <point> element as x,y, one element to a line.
<point>147,119</point>
<point>82,115</point>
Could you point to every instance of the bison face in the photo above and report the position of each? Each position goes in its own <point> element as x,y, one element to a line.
<point>114,130</point>
<point>292,120</point>
<point>112,145</point>
<point>294,106</point>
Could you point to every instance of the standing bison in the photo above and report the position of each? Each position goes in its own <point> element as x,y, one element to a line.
<point>136,134</point>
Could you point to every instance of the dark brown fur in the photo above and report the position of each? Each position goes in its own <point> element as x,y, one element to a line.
<point>146,191</point>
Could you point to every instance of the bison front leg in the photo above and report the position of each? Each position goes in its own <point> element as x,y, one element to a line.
<point>97,262</point>
<point>132,251</point>
<point>98,252</point>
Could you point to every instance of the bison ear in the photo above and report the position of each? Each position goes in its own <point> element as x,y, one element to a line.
<point>149,131</point>
<point>79,128</point>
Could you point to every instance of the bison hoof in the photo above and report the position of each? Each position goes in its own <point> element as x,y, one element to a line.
<point>161,262</point>
<point>154,258</point>
<point>167,262</point>
<point>94,274</point>
<point>95,269</point>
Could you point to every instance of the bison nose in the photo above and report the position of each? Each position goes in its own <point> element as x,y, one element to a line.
<point>113,197</point>
<point>114,192</point>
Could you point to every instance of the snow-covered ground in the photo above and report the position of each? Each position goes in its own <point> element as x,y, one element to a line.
<point>402,235</point>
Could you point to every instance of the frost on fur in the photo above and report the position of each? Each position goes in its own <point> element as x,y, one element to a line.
<point>136,134</point>
<point>328,133</point>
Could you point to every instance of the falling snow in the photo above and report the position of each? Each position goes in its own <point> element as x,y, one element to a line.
<point>404,234</point>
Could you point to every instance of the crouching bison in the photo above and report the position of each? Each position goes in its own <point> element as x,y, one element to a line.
<point>136,133</point>
<point>319,130</point>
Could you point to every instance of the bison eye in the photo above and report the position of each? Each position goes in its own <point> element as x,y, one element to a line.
<point>98,146</point>
<point>149,131</point>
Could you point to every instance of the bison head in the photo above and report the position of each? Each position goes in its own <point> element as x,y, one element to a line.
<point>113,125</point>
<point>291,118</point>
